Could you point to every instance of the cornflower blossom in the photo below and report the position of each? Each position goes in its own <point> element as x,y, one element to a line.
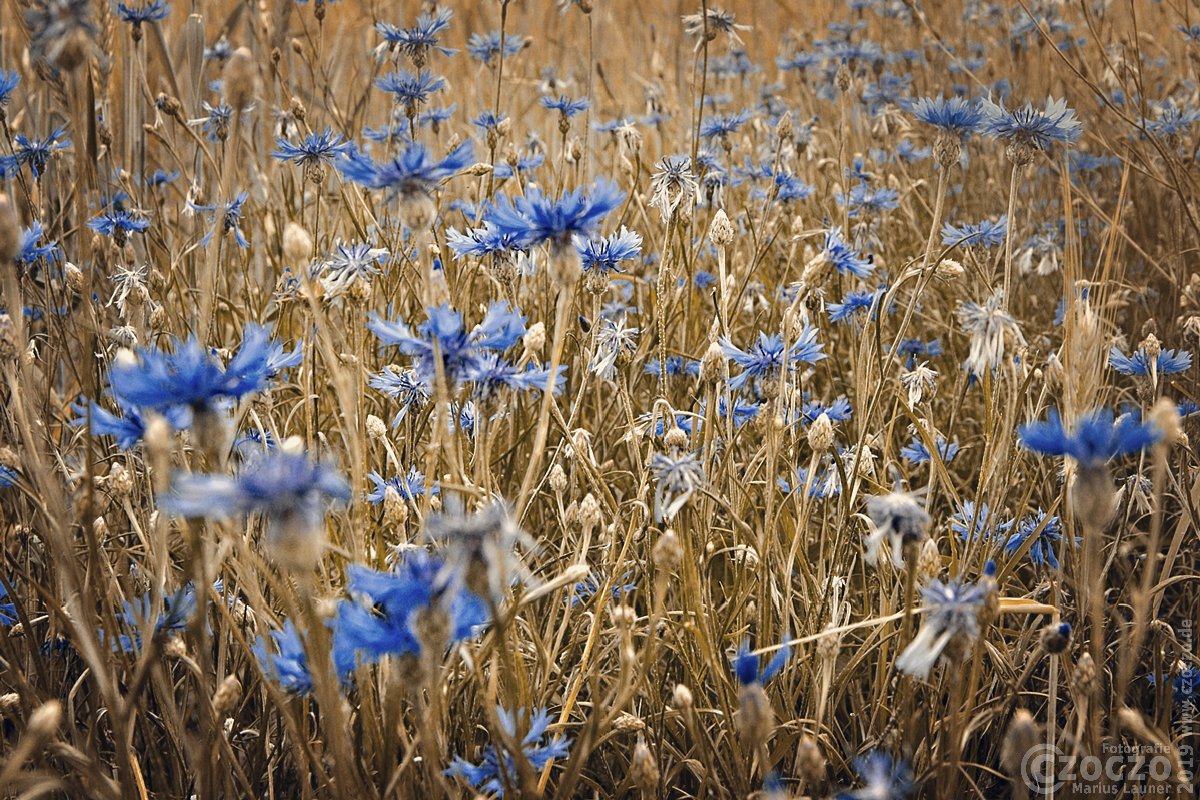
<point>565,106</point>
<point>497,768</point>
<point>118,225</point>
<point>673,186</point>
<point>677,476</point>
<point>898,521</point>
<point>713,20</point>
<point>487,47</point>
<point>957,116</point>
<point>227,218</point>
<point>1029,127</point>
<point>406,385</point>
<point>409,486</point>
<point>1045,248</point>
<point>285,660</point>
<point>1094,439</point>
<point>419,40</point>
<point>128,429</point>
<point>856,303</point>
<point>537,218</point>
<point>766,358</point>
<point>413,174</point>
<point>178,610</point>
<point>747,666</point>
<point>839,410</point>
<point>348,266</point>
<point>29,252</point>
<point>603,256</point>
<point>34,152</point>
<point>8,84</point>
<point>973,522</point>
<point>1167,362</point>
<point>884,777</point>
<point>615,341</point>
<point>838,252</point>
<point>481,548</point>
<point>862,198</point>
<point>410,89</point>
<point>416,607</point>
<point>991,328</point>
<point>916,453</point>
<point>721,126</point>
<point>314,152</point>
<point>138,15</point>
<point>1045,532</point>
<point>486,240</point>
<point>192,376</point>
<point>216,120</point>
<point>951,618</point>
<point>980,234</point>
<point>8,476</point>
<point>8,611</point>
<point>911,348</point>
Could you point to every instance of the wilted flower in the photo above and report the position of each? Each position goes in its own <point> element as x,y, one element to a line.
<point>951,617</point>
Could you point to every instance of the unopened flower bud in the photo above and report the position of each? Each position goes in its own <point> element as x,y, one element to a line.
<point>820,434</point>
<point>721,232</point>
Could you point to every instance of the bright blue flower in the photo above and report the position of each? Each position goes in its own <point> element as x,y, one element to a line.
<point>485,240</point>
<point>411,89</point>
<point>957,116</point>
<point>916,453</point>
<point>565,105</point>
<point>433,117</point>
<point>216,120</point>
<point>1033,127</point>
<point>441,344</point>
<point>676,366</point>
<point>536,217</point>
<point>855,303</point>
<point>839,410</point>
<point>193,376</point>
<point>8,611</point>
<point>287,488</point>
<point>497,769</point>
<point>486,47</point>
<point>418,40</point>
<point>8,476</point>
<point>971,523</point>
<point>839,253</point>
<point>118,225</point>
<point>129,428</point>
<point>912,348</point>
<point>404,385</point>
<point>178,610</point>
<point>8,82</point>
<point>764,360</point>
<point>605,255</point>
<point>722,126</point>
<point>30,251</point>
<point>286,661</point>
<point>407,486</point>
<point>313,150</point>
<point>34,152</point>
<point>1168,362</point>
<point>1042,550</point>
<point>413,173</point>
<point>1093,439</point>
<point>136,15</point>
<point>228,219</point>
<point>981,234</point>
<point>746,665</point>
<point>884,779</point>
<point>863,198</point>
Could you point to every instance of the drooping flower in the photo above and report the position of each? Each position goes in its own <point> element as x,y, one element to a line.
<point>951,616</point>
<point>614,341</point>
<point>673,186</point>
<point>837,251</point>
<point>677,476</point>
<point>992,329</point>
<point>899,521</point>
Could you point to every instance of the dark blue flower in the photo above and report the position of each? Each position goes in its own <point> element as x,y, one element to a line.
<point>8,82</point>
<point>855,303</point>
<point>136,15</point>
<point>409,486</point>
<point>605,255</point>
<point>915,452</point>
<point>1093,439</point>
<point>497,769</point>
<point>746,665</point>
<point>958,116</point>
<point>411,88</point>
<point>765,358</point>
<point>314,149</point>
<point>1030,126</point>
<point>536,217</point>
<point>414,173</point>
<point>129,428</point>
<point>178,610</point>
<point>912,348</point>
<point>118,225</point>
<point>34,152</point>
<point>286,660</point>
<point>8,476</point>
<point>1168,362</point>
<point>417,41</point>
<point>980,234</point>
<point>1045,531</point>
<point>193,376</point>
<point>31,252</point>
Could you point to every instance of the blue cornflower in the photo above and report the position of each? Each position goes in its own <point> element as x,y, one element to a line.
<point>178,609</point>
<point>839,253</point>
<point>8,82</point>
<point>442,346</point>
<point>413,174</point>
<point>916,453</point>
<point>676,366</point>
<point>605,255</point>
<point>385,612</point>
<point>1168,362</point>
<point>825,483</point>
<point>765,358</point>
<point>411,89</point>
<point>288,664</point>
<point>417,41</point>
<point>433,117</point>
<point>1029,126</point>
<point>228,217</point>
<point>565,105</point>
<point>980,234</point>
<point>1095,437</point>
<point>862,197</point>
<point>490,373</point>
<point>30,251</point>
<point>884,779</point>
<point>316,149</point>
<point>971,523</point>
<point>525,164</point>
<point>677,476</point>
<point>216,120</point>
<point>8,476</point>
<point>34,152</point>
<point>349,264</point>
<point>587,588</point>
<point>486,47</point>
<point>485,240</point>
<point>912,348</point>
<point>855,303</point>
<point>951,614</point>
<point>536,217</point>
<point>1046,529</point>
<point>404,385</point>
<point>721,126</point>
<point>746,665</point>
<point>153,11</point>
<point>162,177</point>
<point>1171,119</point>
<point>888,90</point>
<point>957,116</point>
<point>488,121</point>
<point>407,486</point>
<point>8,611</point>
<point>907,151</point>
<point>118,225</point>
<point>129,428</point>
<point>497,769</point>
<point>839,410</point>
<point>287,488</point>
<point>192,376</point>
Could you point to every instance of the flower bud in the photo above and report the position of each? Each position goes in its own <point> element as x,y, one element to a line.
<point>721,232</point>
